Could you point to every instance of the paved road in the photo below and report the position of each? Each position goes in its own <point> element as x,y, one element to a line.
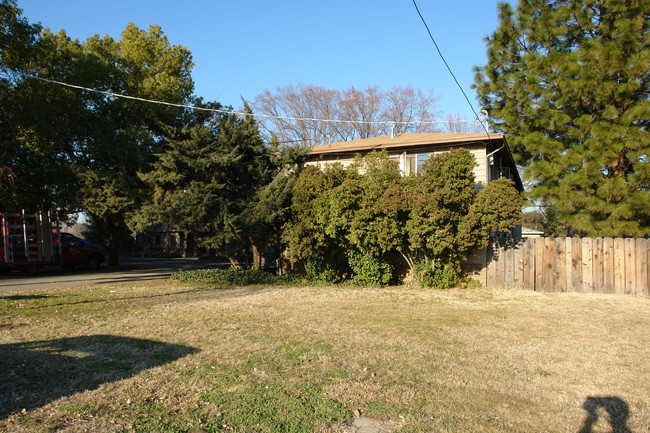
<point>131,269</point>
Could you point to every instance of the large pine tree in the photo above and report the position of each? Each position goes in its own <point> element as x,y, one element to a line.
<point>568,81</point>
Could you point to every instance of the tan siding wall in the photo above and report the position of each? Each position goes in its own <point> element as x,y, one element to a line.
<point>325,162</point>
<point>480,170</point>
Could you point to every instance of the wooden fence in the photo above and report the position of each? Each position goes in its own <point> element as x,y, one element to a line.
<point>590,265</point>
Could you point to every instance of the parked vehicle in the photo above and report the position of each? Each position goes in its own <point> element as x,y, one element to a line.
<point>29,241</point>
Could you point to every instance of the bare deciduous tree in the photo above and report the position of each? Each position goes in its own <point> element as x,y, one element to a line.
<point>456,124</point>
<point>351,114</point>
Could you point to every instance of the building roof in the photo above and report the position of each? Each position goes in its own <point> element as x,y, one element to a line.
<point>405,140</point>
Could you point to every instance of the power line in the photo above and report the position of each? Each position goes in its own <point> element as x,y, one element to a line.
<point>242,113</point>
<point>448,68</point>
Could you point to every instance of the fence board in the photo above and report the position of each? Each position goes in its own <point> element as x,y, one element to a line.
<point>598,265</point>
<point>490,276</point>
<point>501,266</point>
<point>642,272</point>
<point>539,264</point>
<point>560,265</point>
<point>630,267</point>
<point>587,265</point>
<point>568,253</point>
<point>619,265</point>
<point>576,265</point>
<point>529,264</point>
<point>608,265</point>
<point>519,267</point>
<point>549,260</point>
<point>509,277</point>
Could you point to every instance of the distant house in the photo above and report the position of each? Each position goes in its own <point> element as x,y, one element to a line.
<point>492,154</point>
<point>527,232</point>
<point>493,157</point>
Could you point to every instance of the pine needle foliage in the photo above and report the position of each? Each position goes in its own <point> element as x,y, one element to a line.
<point>568,82</point>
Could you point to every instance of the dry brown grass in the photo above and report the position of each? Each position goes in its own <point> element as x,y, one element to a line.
<point>435,361</point>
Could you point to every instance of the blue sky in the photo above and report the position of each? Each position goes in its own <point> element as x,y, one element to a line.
<point>242,48</point>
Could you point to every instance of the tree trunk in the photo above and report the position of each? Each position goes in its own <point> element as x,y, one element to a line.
<point>257,257</point>
<point>408,259</point>
<point>190,245</point>
<point>235,262</point>
<point>111,233</point>
<point>114,250</point>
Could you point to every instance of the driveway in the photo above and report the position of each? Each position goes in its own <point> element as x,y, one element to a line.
<point>130,269</point>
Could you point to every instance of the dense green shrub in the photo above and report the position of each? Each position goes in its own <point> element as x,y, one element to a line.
<point>322,270</point>
<point>370,270</point>
<point>436,274</point>
<point>347,221</point>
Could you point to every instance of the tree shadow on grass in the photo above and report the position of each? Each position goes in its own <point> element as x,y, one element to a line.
<point>35,373</point>
<point>23,297</point>
<point>617,412</point>
<point>221,292</point>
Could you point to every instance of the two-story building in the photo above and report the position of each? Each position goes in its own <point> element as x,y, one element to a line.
<point>410,150</point>
<point>493,157</point>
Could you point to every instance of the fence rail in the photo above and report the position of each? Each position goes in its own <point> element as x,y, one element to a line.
<point>589,265</point>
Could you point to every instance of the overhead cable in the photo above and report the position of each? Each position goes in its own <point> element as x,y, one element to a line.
<point>449,68</point>
<point>243,113</point>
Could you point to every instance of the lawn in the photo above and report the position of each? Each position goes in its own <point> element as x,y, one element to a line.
<point>165,356</point>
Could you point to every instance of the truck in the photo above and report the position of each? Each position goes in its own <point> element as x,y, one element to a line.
<point>31,240</point>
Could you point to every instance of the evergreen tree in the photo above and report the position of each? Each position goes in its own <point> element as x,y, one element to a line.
<point>270,208</point>
<point>206,182</point>
<point>568,82</point>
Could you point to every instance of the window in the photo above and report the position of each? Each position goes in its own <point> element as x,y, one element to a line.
<point>421,158</point>
<point>411,164</point>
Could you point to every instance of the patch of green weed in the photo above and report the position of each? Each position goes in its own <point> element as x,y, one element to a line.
<point>276,407</point>
<point>234,277</point>
<point>280,390</point>
<point>154,417</point>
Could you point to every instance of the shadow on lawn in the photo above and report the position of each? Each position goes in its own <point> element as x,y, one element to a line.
<point>617,411</point>
<point>223,292</point>
<point>35,373</point>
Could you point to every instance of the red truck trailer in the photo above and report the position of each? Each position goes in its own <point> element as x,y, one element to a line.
<point>29,241</point>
